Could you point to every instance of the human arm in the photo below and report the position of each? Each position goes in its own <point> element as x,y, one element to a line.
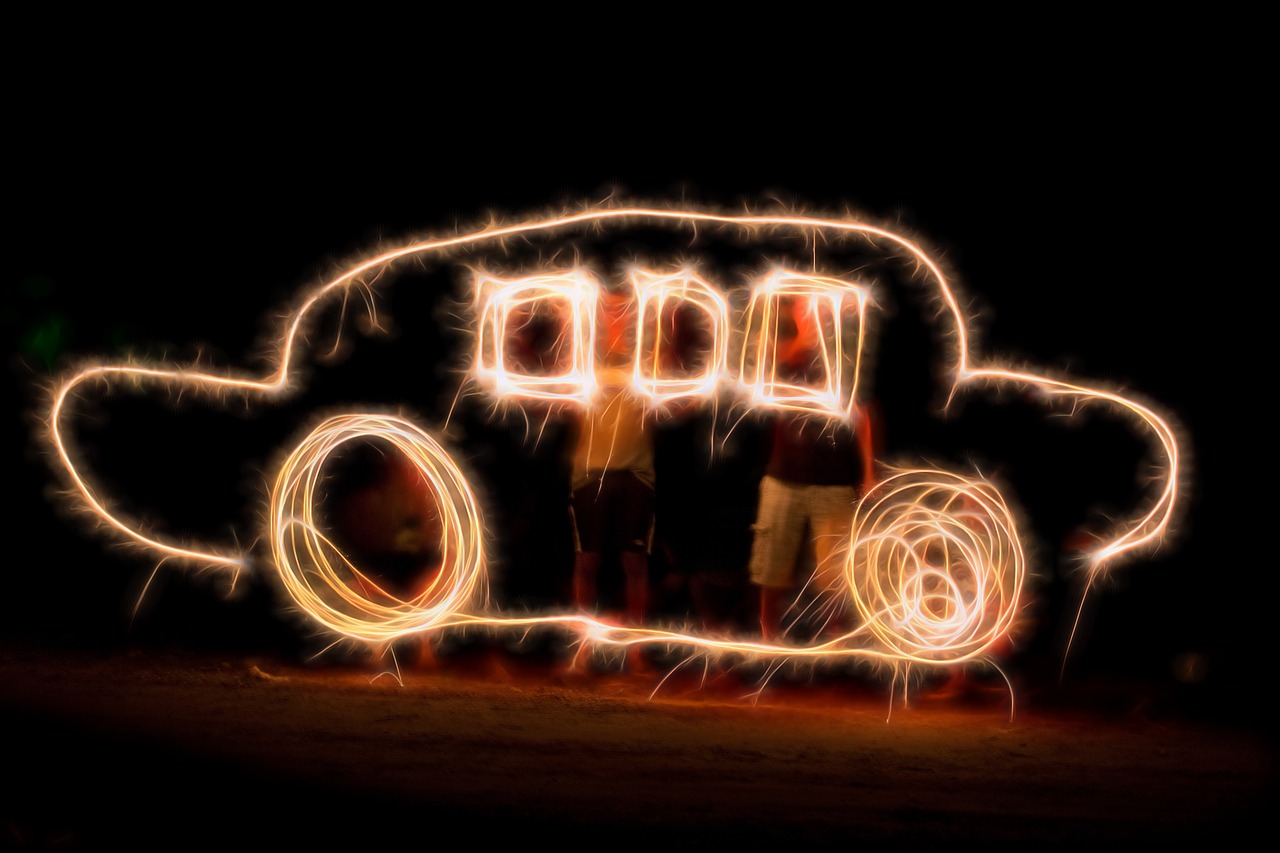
<point>866,439</point>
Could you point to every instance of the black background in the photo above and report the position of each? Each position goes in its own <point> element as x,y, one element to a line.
<point>182,230</point>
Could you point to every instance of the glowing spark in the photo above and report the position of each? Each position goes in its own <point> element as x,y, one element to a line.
<point>338,594</point>
<point>837,351</point>
<point>567,300</point>
<point>657,298</point>
<point>936,567</point>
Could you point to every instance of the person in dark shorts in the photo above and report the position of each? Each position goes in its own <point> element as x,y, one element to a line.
<point>612,481</point>
<point>613,497</point>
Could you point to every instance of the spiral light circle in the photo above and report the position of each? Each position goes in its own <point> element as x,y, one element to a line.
<point>935,565</point>
<point>325,584</point>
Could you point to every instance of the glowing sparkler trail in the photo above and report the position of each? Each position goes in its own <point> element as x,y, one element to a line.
<point>824,300</point>
<point>505,305</point>
<point>936,566</point>
<point>947,565</point>
<point>338,594</point>
<point>656,294</point>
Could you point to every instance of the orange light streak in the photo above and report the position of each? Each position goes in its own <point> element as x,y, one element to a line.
<point>911,621</point>
<point>827,302</point>
<point>325,584</point>
<point>655,296</point>
<point>936,566</point>
<point>504,304</point>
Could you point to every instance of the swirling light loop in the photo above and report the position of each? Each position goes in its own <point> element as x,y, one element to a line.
<point>1142,530</point>
<point>942,623</point>
<point>935,565</point>
<point>329,587</point>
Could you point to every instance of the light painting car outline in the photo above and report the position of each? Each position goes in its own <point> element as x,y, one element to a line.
<point>914,606</point>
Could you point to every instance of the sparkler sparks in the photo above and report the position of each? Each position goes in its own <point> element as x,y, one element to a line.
<point>565,301</point>
<point>658,296</point>
<point>338,594</point>
<point>936,567</point>
<point>823,305</point>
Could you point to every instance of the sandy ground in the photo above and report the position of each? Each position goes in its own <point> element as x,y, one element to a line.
<point>174,749</point>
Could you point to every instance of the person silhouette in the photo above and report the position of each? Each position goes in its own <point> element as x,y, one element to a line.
<point>816,470</point>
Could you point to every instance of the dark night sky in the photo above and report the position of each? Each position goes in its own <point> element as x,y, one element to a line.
<point>1071,238</point>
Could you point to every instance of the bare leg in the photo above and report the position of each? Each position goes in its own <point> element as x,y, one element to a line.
<point>636,567</point>
<point>586,565</point>
<point>427,658</point>
<point>773,600</point>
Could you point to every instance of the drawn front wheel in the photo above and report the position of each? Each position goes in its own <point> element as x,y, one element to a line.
<point>323,574</point>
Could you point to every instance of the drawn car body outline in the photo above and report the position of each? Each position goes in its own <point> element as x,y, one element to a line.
<point>1143,530</point>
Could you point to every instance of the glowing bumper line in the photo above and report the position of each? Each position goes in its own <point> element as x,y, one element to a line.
<point>960,621</point>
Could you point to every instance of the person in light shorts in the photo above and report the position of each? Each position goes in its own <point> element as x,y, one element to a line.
<point>818,467</point>
<point>816,473</point>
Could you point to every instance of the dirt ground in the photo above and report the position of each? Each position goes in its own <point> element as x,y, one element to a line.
<point>142,748</point>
